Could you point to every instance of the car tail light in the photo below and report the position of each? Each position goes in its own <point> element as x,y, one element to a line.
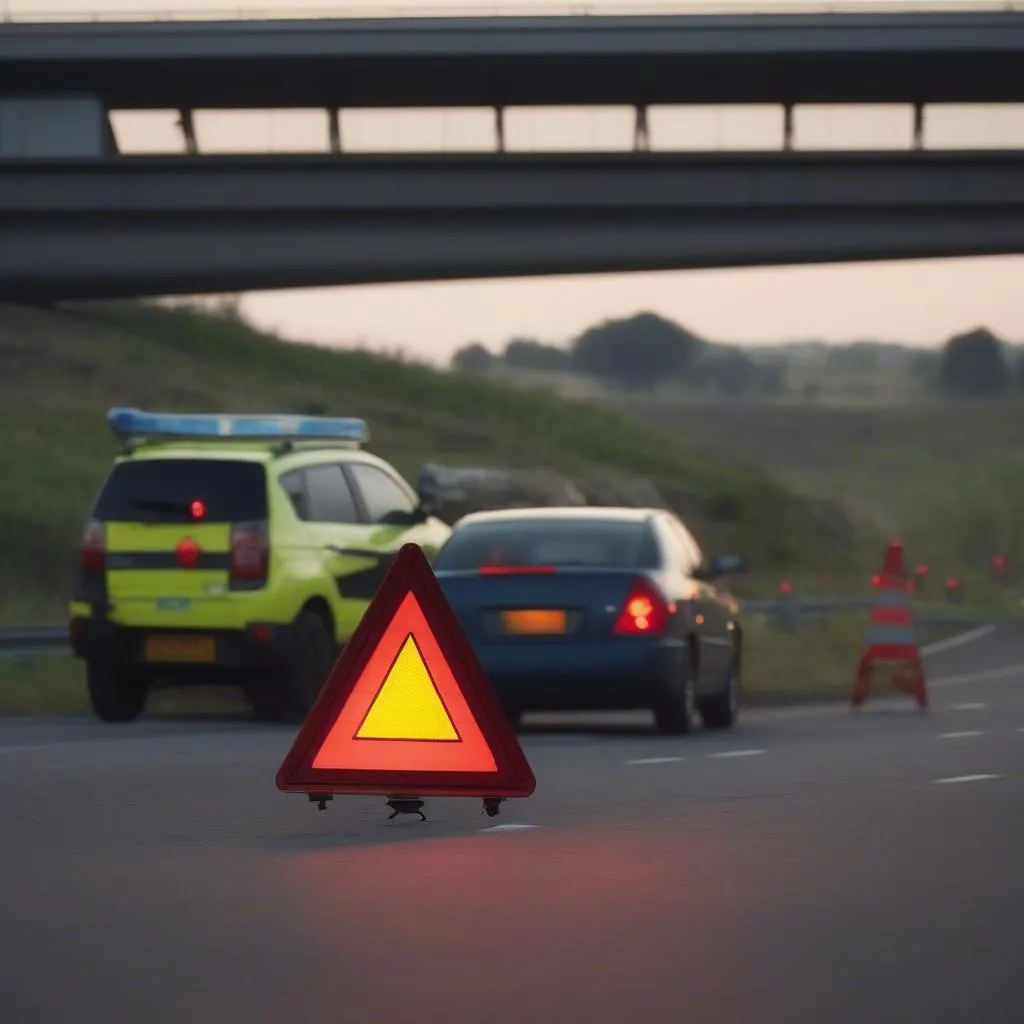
<point>517,570</point>
<point>645,611</point>
<point>94,547</point>
<point>250,552</point>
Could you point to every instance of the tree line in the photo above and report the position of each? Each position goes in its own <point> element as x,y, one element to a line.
<point>640,352</point>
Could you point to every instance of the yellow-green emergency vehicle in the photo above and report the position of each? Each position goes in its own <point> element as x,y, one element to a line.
<point>242,549</point>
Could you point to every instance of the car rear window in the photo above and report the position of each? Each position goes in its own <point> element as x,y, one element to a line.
<point>163,490</point>
<point>562,543</point>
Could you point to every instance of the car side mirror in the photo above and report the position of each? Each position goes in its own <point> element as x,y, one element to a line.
<point>725,565</point>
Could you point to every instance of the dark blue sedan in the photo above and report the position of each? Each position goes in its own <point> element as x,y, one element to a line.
<point>597,608</point>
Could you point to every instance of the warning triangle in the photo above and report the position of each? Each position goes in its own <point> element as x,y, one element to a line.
<point>407,709</point>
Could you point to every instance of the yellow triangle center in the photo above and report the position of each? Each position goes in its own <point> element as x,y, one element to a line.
<point>408,706</point>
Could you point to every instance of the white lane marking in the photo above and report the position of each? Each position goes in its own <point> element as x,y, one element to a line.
<point>958,640</point>
<point>977,706</point>
<point>966,778</point>
<point>959,735</point>
<point>654,760</point>
<point>1007,672</point>
<point>510,827</point>
<point>737,753</point>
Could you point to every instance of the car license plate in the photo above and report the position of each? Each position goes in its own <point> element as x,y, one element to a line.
<point>534,622</point>
<point>181,648</point>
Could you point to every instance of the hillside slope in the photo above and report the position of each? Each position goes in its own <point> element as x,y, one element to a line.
<point>61,369</point>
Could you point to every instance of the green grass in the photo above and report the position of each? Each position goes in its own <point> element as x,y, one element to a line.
<point>63,368</point>
<point>946,477</point>
<point>54,684</point>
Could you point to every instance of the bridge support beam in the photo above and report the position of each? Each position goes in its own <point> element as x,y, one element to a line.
<point>162,226</point>
<point>54,128</point>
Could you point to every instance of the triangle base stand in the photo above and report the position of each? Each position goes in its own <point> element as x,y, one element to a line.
<point>406,805</point>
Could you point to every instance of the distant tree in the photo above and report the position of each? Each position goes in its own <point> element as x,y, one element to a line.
<point>974,365</point>
<point>636,353</point>
<point>771,375</point>
<point>1018,367</point>
<point>925,367</point>
<point>731,371</point>
<point>535,355</point>
<point>472,359</point>
<point>861,355</point>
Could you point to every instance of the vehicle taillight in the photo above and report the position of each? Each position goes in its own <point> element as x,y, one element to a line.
<point>250,552</point>
<point>94,547</point>
<point>645,612</point>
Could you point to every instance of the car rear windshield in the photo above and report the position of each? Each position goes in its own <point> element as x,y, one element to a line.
<point>164,490</point>
<point>562,543</point>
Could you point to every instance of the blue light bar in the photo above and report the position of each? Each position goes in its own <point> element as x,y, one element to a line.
<point>134,423</point>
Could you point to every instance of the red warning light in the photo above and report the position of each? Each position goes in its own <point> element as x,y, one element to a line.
<point>197,510</point>
<point>876,581</point>
<point>952,583</point>
<point>785,587</point>
<point>188,552</point>
<point>921,570</point>
<point>999,561</point>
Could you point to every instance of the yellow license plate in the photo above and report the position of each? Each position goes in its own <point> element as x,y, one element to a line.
<point>181,648</point>
<point>534,622</point>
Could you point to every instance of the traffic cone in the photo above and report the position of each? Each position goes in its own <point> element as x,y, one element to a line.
<point>891,639</point>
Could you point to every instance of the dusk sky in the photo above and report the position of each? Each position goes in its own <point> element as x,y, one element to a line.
<point>921,303</point>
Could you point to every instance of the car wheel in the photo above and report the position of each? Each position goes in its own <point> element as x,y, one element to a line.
<point>116,694</point>
<point>722,710</point>
<point>675,714</point>
<point>313,655</point>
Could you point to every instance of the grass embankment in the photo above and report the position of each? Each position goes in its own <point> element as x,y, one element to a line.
<point>62,369</point>
<point>946,477</point>
<point>813,663</point>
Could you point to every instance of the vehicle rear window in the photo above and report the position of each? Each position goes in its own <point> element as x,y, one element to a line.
<point>163,490</point>
<point>562,543</point>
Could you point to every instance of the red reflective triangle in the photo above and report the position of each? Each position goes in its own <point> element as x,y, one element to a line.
<point>407,709</point>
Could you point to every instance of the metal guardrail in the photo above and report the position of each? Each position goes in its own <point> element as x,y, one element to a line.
<point>795,610</point>
<point>10,10</point>
<point>34,638</point>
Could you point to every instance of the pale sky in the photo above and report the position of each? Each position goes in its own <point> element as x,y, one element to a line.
<point>920,303</point>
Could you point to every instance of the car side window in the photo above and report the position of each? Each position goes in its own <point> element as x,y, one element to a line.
<point>330,497</point>
<point>385,499</point>
<point>294,486</point>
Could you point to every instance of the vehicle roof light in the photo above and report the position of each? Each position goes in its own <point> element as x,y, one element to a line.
<point>128,424</point>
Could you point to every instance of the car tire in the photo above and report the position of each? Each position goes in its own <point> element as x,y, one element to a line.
<point>675,713</point>
<point>722,710</point>
<point>313,654</point>
<point>116,694</point>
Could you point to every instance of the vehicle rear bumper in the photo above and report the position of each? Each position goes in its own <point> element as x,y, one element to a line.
<point>236,650</point>
<point>613,675</point>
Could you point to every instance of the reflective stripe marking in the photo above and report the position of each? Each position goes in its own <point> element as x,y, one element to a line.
<point>895,636</point>
<point>891,616</point>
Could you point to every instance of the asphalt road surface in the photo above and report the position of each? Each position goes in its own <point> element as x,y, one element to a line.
<point>813,867</point>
